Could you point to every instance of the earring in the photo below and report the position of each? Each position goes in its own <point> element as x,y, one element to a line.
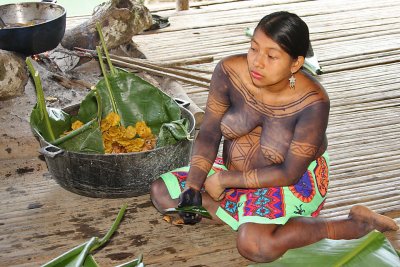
<point>292,81</point>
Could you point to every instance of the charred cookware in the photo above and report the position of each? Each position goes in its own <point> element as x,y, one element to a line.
<point>31,27</point>
<point>114,175</point>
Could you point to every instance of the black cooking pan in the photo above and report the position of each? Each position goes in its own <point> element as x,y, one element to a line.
<point>32,27</point>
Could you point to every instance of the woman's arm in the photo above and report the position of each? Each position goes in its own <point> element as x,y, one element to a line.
<point>308,136</point>
<point>208,140</point>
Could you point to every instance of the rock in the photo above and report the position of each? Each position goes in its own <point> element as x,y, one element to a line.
<point>119,20</point>
<point>13,75</point>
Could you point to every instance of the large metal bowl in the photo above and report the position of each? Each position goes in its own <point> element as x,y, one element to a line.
<point>114,175</point>
<point>33,27</point>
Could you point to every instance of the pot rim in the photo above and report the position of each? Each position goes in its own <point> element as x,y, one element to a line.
<point>27,4</point>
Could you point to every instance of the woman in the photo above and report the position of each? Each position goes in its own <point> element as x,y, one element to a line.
<point>273,178</point>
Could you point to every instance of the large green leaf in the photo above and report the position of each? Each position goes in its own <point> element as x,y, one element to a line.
<point>371,250</point>
<point>134,100</point>
<point>48,122</point>
<point>122,92</point>
<point>59,121</point>
<point>51,123</point>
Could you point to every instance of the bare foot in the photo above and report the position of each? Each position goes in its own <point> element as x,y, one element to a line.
<point>372,219</point>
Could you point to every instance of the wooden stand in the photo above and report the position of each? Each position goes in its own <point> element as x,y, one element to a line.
<point>182,5</point>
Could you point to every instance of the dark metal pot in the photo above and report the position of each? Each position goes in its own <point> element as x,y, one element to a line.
<point>114,175</point>
<point>45,34</point>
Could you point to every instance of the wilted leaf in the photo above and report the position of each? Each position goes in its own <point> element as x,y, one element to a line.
<point>80,255</point>
<point>173,132</point>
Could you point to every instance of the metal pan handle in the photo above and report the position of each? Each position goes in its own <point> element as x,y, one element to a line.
<point>50,151</point>
<point>181,102</point>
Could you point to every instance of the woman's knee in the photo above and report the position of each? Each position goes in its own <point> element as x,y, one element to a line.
<point>159,194</point>
<point>256,243</point>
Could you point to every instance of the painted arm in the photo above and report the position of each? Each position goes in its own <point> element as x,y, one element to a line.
<point>208,140</point>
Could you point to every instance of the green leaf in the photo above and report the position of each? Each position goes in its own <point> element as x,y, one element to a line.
<point>81,257</point>
<point>137,100</point>
<point>88,139</point>
<point>50,123</point>
<point>172,132</point>
<point>103,44</point>
<point>58,120</point>
<point>191,209</point>
<point>90,261</point>
<point>371,250</point>
<point>81,254</point>
<point>133,98</point>
<point>88,108</point>
<point>113,228</point>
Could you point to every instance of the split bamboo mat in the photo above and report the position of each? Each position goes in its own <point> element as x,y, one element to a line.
<point>358,47</point>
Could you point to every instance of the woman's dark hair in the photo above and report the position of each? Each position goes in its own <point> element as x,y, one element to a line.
<point>288,30</point>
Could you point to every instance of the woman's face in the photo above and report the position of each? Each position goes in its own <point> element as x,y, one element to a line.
<point>269,65</point>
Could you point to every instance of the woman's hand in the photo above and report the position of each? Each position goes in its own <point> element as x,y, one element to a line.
<point>190,197</point>
<point>214,186</point>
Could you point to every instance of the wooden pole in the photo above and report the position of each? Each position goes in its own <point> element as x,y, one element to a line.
<point>182,5</point>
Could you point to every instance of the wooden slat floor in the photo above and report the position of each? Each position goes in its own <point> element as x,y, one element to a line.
<point>358,46</point>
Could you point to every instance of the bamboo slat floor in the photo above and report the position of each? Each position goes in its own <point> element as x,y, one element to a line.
<point>358,46</point>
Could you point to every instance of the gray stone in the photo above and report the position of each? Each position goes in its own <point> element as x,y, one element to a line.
<point>13,75</point>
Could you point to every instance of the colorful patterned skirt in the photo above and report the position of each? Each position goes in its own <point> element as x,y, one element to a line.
<point>272,205</point>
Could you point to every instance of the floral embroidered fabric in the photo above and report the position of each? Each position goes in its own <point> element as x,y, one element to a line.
<point>273,205</point>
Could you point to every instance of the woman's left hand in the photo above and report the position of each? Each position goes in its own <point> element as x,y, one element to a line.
<point>214,187</point>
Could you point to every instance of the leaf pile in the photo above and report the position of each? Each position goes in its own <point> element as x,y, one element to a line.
<point>147,117</point>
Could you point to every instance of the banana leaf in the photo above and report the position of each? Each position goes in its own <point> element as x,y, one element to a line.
<point>134,100</point>
<point>81,255</point>
<point>51,123</point>
<point>122,92</point>
<point>58,122</point>
<point>371,250</point>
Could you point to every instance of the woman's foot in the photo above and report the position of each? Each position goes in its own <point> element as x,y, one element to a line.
<point>372,220</point>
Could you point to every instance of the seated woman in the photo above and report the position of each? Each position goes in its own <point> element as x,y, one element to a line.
<point>273,178</point>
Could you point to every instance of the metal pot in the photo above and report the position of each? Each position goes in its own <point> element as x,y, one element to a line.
<point>32,28</point>
<point>114,175</point>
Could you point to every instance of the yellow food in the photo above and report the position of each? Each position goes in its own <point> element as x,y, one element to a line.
<point>118,139</point>
<point>76,125</point>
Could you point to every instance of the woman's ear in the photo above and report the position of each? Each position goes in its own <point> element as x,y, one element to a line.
<point>297,63</point>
